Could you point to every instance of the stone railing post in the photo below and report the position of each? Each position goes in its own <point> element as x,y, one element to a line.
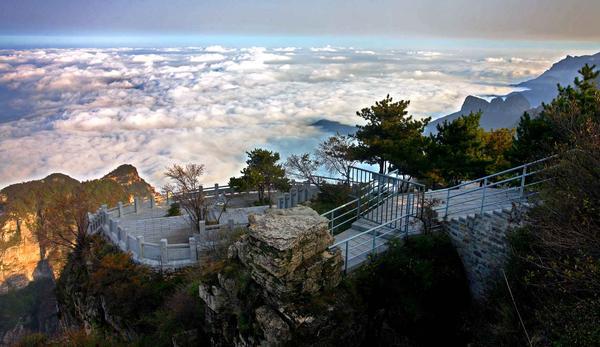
<point>164,249</point>
<point>193,249</point>
<point>124,236</point>
<point>286,198</point>
<point>217,194</point>
<point>112,228</point>
<point>307,195</point>
<point>201,226</point>
<point>281,203</point>
<point>136,205</point>
<point>230,224</point>
<point>293,197</point>
<point>140,242</point>
<point>120,205</point>
<point>151,201</point>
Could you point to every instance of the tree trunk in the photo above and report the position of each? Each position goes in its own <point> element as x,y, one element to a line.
<point>381,166</point>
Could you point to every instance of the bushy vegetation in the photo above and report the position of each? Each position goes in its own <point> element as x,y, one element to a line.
<point>416,288</point>
<point>135,304</point>
<point>554,268</point>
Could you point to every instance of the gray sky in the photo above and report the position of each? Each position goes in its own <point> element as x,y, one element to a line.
<point>573,20</point>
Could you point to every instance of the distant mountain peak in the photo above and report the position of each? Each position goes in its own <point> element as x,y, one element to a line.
<point>505,112</point>
<point>127,175</point>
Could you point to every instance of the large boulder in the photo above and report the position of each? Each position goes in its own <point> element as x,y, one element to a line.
<point>287,252</point>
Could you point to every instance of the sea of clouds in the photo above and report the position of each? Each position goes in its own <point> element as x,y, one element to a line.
<point>85,111</point>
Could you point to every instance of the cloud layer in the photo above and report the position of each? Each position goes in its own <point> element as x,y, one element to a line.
<point>85,111</point>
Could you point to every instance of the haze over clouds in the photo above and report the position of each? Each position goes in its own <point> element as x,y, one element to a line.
<point>85,111</point>
<point>489,19</point>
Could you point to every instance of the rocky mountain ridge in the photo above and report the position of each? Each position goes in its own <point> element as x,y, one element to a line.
<point>505,111</point>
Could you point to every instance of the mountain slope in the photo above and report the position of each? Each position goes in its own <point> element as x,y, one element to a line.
<point>504,112</point>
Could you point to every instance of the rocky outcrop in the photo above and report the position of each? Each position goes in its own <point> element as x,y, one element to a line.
<point>275,286</point>
<point>286,252</point>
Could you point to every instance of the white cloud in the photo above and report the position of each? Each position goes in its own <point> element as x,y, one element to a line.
<point>218,49</point>
<point>85,111</point>
<point>206,58</point>
<point>327,48</point>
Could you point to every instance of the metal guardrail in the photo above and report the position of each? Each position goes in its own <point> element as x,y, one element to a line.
<point>353,247</point>
<point>379,198</point>
<point>476,196</point>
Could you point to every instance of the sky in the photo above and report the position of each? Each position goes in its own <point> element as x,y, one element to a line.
<point>573,20</point>
<point>88,85</point>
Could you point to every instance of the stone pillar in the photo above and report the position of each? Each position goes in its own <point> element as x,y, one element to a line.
<point>193,249</point>
<point>307,195</point>
<point>201,226</point>
<point>136,205</point>
<point>301,198</point>
<point>120,205</point>
<point>286,198</point>
<point>230,224</point>
<point>281,203</point>
<point>112,228</point>
<point>124,235</point>
<point>217,194</point>
<point>151,201</point>
<point>293,197</point>
<point>140,242</point>
<point>164,251</point>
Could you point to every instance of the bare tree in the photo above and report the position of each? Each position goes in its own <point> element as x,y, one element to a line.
<point>186,190</point>
<point>303,167</point>
<point>69,219</point>
<point>334,155</point>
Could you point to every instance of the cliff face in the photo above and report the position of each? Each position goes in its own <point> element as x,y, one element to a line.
<point>19,248</point>
<point>497,113</point>
<point>19,258</point>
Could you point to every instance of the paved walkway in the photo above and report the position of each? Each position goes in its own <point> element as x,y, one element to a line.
<point>462,202</point>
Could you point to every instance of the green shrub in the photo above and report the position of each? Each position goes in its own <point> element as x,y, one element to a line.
<point>416,288</point>
<point>174,210</point>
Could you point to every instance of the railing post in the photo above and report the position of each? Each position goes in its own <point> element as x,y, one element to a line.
<point>307,195</point>
<point>523,180</point>
<point>120,205</point>
<point>230,224</point>
<point>201,226</point>
<point>485,183</point>
<point>193,249</point>
<point>151,201</point>
<point>140,242</point>
<point>136,205</point>
<point>281,202</point>
<point>164,251</point>
<point>346,259</point>
<point>374,238</point>
<point>447,203</point>
<point>217,194</point>
<point>293,197</point>
<point>407,210</point>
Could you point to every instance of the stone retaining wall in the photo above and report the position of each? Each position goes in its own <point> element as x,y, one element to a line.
<point>481,242</point>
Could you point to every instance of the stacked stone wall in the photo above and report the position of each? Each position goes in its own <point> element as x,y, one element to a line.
<point>482,243</point>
